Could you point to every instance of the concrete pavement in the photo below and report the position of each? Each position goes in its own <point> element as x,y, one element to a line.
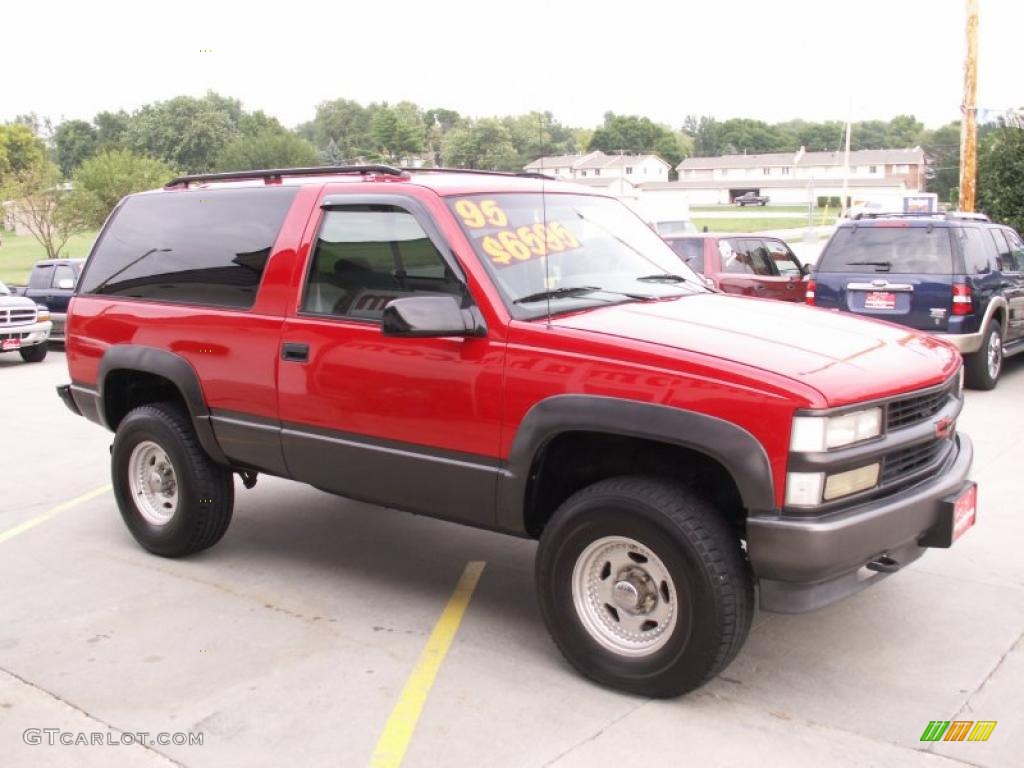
<point>291,640</point>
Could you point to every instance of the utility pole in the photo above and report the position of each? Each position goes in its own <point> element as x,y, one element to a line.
<point>846,165</point>
<point>969,123</point>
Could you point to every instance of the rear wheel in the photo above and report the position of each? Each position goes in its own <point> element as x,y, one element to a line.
<point>34,354</point>
<point>643,586</point>
<point>982,368</point>
<point>174,499</point>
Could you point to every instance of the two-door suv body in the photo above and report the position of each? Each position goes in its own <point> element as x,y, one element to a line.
<point>515,354</point>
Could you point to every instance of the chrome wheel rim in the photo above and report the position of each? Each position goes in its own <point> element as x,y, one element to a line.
<point>624,596</point>
<point>153,483</point>
<point>995,355</point>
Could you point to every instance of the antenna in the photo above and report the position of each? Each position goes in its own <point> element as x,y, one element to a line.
<point>544,219</point>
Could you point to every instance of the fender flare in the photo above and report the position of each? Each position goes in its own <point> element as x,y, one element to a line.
<point>994,305</point>
<point>174,368</point>
<point>736,449</point>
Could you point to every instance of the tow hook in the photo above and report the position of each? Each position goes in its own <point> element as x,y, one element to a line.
<point>884,564</point>
<point>248,477</point>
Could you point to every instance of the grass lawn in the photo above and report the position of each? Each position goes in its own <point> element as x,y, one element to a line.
<point>786,209</point>
<point>19,252</point>
<point>740,224</point>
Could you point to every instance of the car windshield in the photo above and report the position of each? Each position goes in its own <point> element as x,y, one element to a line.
<point>888,248</point>
<point>690,250</point>
<point>681,227</point>
<point>572,251</point>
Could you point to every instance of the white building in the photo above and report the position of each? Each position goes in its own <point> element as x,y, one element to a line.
<point>635,169</point>
<point>788,177</point>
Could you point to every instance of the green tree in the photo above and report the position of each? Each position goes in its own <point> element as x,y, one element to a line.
<point>942,150</point>
<point>101,181</point>
<point>1001,176</point>
<point>398,132</point>
<point>185,132</point>
<point>73,141</point>
<point>269,149</point>
<point>536,134</point>
<point>40,205</point>
<point>20,149</point>
<point>703,130</point>
<point>344,122</point>
<point>485,143</point>
<point>741,135</point>
<point>870,134</point>
<point>111,129</point>
<point>904,131</point>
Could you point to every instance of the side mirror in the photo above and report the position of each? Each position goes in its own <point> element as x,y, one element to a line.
<point>422,316</point>
<point>807,269</point>
<point>67,284</point>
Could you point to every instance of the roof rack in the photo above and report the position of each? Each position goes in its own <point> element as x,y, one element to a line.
<point>478,171</point>
<point>278,173</point>
<point>968,215</point>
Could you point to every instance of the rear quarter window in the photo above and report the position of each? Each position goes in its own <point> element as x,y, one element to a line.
<point>206,247</point>
<point>889,249</point>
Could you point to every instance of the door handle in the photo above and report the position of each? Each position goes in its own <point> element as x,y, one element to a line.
<point>295,353</point>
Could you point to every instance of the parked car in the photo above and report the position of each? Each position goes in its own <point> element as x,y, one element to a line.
<point>51,283</point>
<point>749,265</point>
<point>959,277</point>
<point>24,326</point>
<point>751,198</point>
<point>515,354</point>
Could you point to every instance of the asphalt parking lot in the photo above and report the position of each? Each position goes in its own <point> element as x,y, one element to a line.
<point>292,640</point>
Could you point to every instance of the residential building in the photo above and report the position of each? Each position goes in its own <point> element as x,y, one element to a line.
<point>634,169</point>
<point>788,177</point>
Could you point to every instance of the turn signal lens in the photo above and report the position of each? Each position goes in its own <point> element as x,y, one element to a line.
<point>803,489</point>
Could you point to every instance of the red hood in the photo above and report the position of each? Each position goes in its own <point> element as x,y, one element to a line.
<point>846,358</point>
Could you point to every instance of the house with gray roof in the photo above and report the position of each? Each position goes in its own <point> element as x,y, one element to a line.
<point>633,169</point>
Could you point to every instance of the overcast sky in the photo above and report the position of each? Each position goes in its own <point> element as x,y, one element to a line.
<point>768,59</point>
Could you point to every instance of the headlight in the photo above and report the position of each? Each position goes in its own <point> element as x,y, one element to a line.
<point>814,434</point>
<point>42,314</point>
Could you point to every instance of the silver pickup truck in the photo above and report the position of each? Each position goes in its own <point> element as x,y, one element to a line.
<point>24,326</point>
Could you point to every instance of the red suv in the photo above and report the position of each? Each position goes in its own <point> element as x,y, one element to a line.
<point>515,354</point>
<point>750,265</point>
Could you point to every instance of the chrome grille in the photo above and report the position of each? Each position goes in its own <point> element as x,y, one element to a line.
<point>17,316</point>
<point>907,411</point>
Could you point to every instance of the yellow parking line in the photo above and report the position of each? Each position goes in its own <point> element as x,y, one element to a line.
<point>391,745</point>
<point>32,522</point>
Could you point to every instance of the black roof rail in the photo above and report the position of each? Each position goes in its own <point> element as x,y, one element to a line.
<point>963,215</point>
<point>478,171</point>
<point>277,173</point>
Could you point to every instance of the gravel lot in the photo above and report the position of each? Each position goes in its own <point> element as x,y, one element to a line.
<point>290,642</point>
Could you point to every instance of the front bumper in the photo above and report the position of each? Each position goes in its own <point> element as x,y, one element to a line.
<point>804,564</point>
<point>29,335</point>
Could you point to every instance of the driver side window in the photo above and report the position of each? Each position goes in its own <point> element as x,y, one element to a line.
<point>367,255</point>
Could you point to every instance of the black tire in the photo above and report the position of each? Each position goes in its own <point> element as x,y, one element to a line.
<point>34,354</point>
<point>713,584</point>
<point>976,365</point>
<point>205,490</point>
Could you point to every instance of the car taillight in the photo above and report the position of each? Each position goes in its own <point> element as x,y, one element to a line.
<point>962,301</point>
<point>811,286</point>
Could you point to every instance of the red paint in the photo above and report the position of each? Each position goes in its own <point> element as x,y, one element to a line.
<point>752,363</point>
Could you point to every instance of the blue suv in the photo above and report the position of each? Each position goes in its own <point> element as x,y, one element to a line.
<point>958,276</point>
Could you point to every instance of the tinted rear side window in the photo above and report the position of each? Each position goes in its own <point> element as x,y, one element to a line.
<point>205,247</point>
<point>900,249</point>
<point>691,252</point>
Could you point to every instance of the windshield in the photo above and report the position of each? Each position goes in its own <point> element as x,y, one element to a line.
<point>691,251</point>
<point>887,248</point>
<point>597,252</point>
<point>682,227</point>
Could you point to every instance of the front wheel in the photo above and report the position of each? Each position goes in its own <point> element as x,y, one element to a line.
<point>643,586</point>
<point>174,499</point>
<point>982,368</point>
<point>34,354</point>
